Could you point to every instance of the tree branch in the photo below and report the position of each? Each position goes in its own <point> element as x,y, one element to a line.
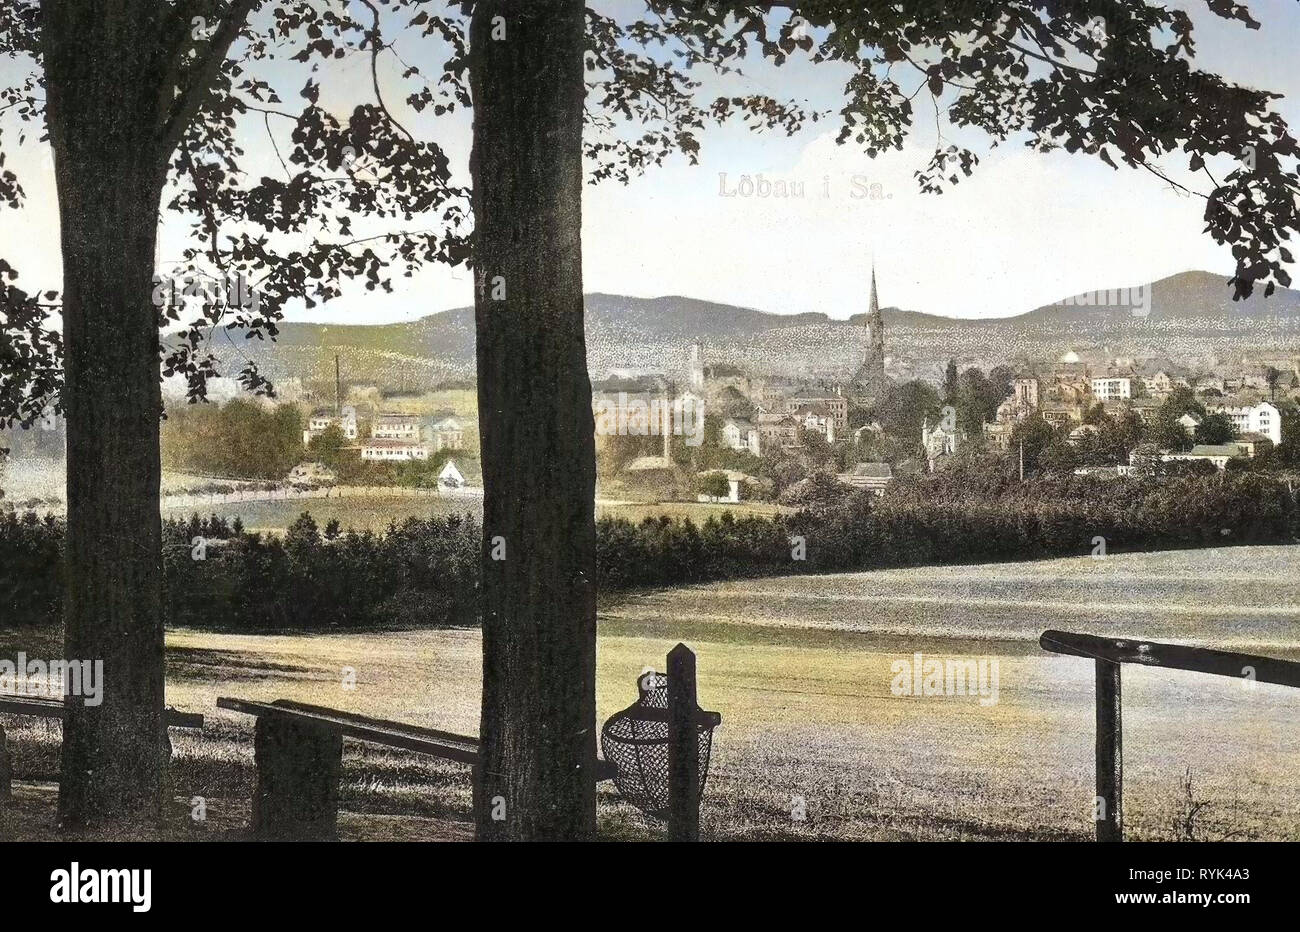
<point>180,110</point>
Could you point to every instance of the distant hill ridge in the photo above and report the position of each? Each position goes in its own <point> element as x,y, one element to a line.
<point>629,331</point>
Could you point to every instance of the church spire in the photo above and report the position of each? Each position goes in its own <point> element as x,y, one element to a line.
<point>870,377</point>
<point>872,371</point>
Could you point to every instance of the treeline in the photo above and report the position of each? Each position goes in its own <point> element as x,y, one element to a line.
<point>31,569</point>
<point>425,571</point>
<point>240,438</point>
<point>937,520</point>
<point>422,571</point>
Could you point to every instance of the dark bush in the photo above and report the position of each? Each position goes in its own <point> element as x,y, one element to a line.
<point>425,571</point>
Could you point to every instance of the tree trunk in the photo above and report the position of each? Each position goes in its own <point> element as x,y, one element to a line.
<point>102,111</point>
<point>538,449</point>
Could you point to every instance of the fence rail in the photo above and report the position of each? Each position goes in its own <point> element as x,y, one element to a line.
<point>1174,657</point>
<point>1109,655</point>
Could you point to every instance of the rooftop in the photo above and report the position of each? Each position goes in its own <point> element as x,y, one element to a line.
<point>1216,449</point>
<point>871,471</point>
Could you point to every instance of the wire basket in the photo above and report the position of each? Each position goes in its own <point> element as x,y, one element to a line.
<point>635,741</point>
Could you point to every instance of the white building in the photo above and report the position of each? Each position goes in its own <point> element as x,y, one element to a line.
<point>740,434</point>
<point>1189,422</point>
<point>391,450</point>
<point>451,477</point>
<point>396,427</point>
<point>818,419</point>
<point>1261,418</point>
<point>1218,454</point>
<point>1112,389</point>
<point>836,406</point>
<point>321,420</point>
<point>448,434</point>
<point>939,442</point>
<point>1162,383</point>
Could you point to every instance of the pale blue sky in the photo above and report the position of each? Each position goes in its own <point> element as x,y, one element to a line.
<point>1025,230</point>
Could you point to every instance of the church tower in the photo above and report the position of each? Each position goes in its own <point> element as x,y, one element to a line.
<point>872,371</point>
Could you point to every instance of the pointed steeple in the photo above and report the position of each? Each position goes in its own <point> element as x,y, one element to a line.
<point>870,377</point>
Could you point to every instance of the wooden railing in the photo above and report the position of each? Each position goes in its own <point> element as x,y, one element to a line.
<point>1110,654</point>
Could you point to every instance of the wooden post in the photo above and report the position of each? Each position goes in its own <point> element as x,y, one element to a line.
<point>683,747</point>
<point>6,770</point>
<point>298,769</point>
<point>1110,757</point>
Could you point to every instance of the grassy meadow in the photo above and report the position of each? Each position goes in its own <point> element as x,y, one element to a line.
<point>800,668</point>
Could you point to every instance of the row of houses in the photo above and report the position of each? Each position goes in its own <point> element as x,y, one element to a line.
<point>393,437</point>
<point>823,414</point>
<point>769,431</point>
<point>1217,454</point>
<point>1248,417</point>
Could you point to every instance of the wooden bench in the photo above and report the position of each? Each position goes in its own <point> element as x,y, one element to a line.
<point>298,752</point>
<point>43,707</point>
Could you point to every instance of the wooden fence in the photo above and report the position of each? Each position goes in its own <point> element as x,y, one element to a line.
<point>1110,654</point>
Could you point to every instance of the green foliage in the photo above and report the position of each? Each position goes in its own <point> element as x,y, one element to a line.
<point>1035,435</point>
<point>421,572</point>
<point>31,569</point>
<point>715,484</point>
<point>1272,377</point>
<point>820,491</point>
<point>978,396</point>
<point>241,439</point>
<point>905,407</point>
<point>950,382</point>
<point>1215,429</point>
<point>328,447</point>
<point>1287,453</point>
<point>944,519</point>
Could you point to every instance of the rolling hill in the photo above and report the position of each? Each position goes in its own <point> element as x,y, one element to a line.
<point>1192,317</point>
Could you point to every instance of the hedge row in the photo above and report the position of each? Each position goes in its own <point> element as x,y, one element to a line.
<point>425,571</point>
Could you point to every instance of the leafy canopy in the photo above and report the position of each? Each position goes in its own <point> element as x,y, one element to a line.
<point>359,194</point>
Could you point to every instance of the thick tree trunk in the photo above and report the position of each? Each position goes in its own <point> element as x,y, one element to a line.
<point>538,450</point>
<point>102,111</point>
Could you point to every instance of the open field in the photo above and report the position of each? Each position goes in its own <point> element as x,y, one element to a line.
<point>699,512</point>
<point>800,668</point>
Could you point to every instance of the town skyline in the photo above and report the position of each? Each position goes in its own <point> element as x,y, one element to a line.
<point>1026,229</point>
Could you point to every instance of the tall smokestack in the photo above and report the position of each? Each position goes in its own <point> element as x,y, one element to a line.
<point>338,387</point>
<point>668,432</point>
